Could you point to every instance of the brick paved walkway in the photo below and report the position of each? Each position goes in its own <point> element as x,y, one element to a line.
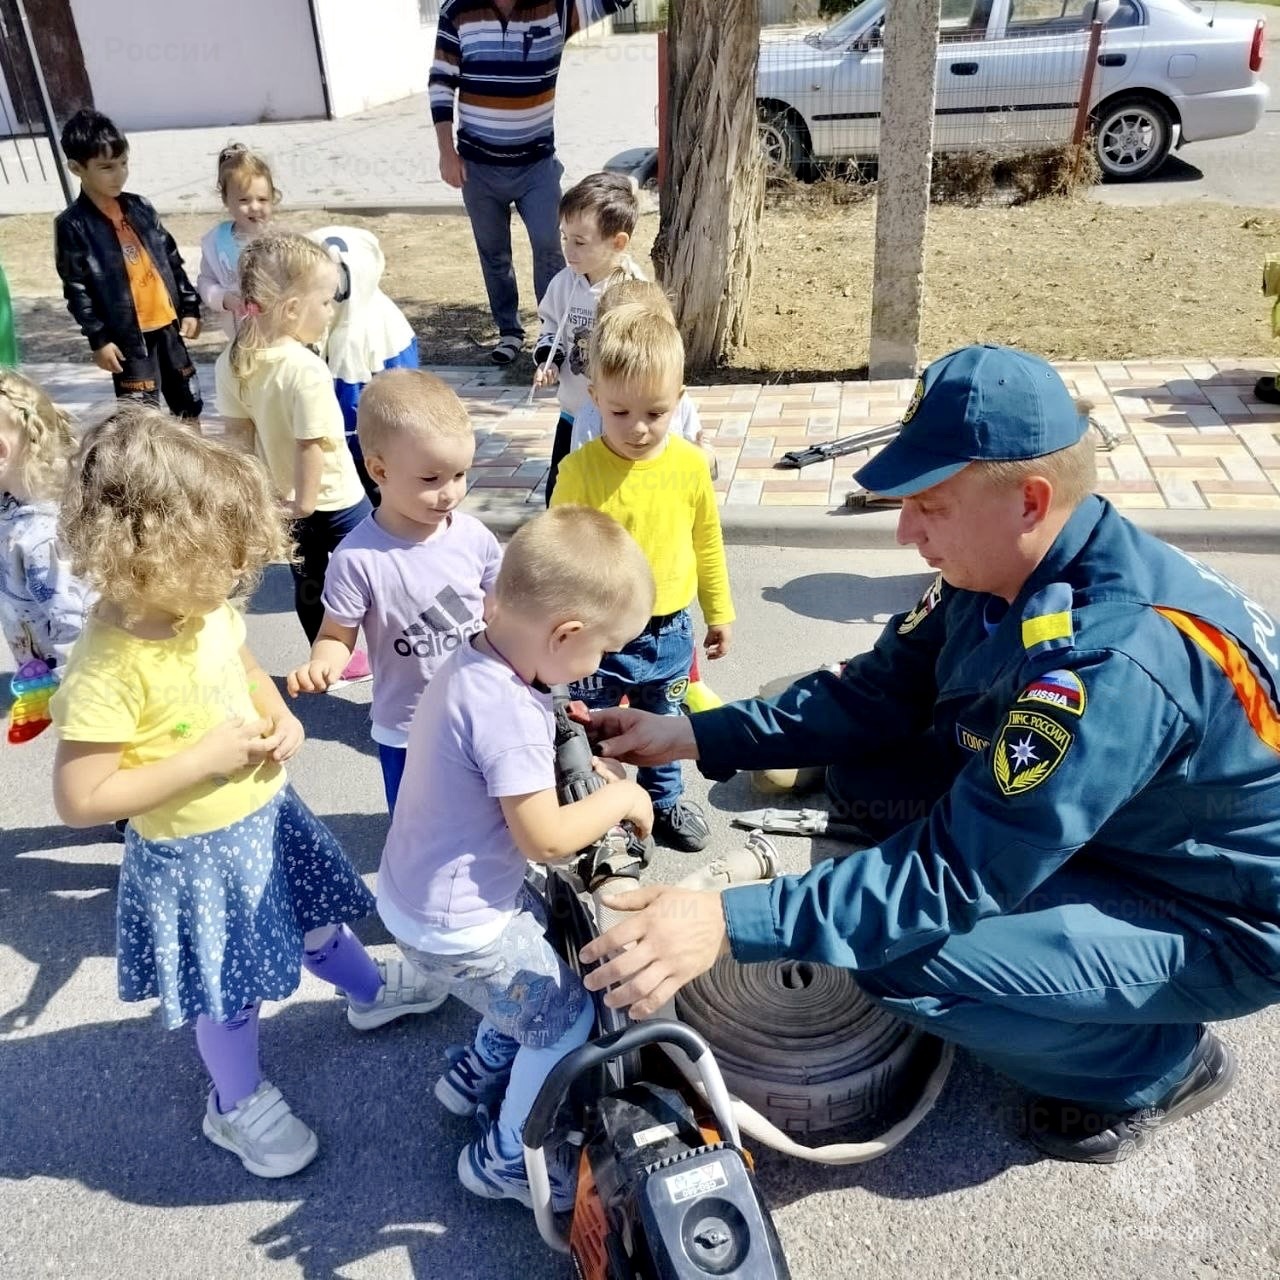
<point>1191,435</point>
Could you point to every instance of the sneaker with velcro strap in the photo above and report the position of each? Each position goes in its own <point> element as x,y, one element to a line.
<point>470,1082</point>
<point>261,1129</point>
<point>404,991</point>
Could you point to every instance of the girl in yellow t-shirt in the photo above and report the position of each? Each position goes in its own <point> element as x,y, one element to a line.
<point>229,883</point>
<point>272,385</point>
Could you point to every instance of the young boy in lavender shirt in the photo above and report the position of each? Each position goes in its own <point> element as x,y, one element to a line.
<point>414,574</point>
<point>482,803</point>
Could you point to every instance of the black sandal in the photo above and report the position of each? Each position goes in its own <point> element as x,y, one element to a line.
<point>508,348</point>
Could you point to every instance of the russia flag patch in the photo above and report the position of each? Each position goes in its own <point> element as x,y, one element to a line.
<point>1063,690</point>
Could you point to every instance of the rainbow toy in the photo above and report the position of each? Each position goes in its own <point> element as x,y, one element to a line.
<point>32,687</point>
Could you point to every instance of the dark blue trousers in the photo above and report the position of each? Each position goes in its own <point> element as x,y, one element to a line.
<point>1092,990</point>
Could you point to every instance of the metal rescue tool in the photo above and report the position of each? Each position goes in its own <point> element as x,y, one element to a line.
<point>795,822</point>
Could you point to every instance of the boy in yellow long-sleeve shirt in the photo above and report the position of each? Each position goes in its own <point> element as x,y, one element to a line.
<point>658,487</point>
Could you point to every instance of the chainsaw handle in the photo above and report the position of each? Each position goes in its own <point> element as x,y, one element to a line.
<point>595,1054</point>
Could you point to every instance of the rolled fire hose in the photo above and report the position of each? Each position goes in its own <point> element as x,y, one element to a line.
<point>800,1046</point>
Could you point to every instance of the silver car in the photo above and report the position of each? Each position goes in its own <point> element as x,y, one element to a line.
<point>1009,75</point>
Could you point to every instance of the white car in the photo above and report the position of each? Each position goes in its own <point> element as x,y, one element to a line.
<point>1009,75</point>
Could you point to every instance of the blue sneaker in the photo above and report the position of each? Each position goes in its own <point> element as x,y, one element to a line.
<point>470,1082</point>
<point>485,1171</point>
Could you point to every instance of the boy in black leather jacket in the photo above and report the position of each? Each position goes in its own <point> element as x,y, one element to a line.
<point>122,274</point>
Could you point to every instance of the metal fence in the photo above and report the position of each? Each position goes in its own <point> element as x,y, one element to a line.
<point>28,153</point>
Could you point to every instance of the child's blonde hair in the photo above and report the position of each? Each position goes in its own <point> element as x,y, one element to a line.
<point>45,437</point>
<point>237,163</point>
<point>636,345</point>
<point>646,292</point>
<point>575,562</point>
<point>400,401</point>
<point>274,269</point>
<point>153,512</point>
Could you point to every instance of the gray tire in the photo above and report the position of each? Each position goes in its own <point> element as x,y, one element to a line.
<point>1132,138</point>
<point>786,153</point>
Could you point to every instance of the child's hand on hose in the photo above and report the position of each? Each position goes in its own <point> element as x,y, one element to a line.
<point>640,815</point>
<point>609,770</point>
<point>546,375</point>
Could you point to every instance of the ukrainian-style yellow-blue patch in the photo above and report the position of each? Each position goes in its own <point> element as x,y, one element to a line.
<point>1062,690</point>
<point>1030,747</point>
<point>928,603</point>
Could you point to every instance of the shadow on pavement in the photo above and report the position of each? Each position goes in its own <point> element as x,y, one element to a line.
<point>116,1107</point>
<point>848,597</point>
<point>967,1139</point>
<point>74,918</point>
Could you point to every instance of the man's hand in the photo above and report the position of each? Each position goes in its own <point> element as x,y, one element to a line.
<point>674,935</point>
<point>285,738</point>
<point>640,737</point>
<point>453,168</point>
<point>189,327</point>
<point>718,640</point>
<point>110,358</point>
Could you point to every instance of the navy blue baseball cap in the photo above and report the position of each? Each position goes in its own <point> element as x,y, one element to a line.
<point>978,404</point>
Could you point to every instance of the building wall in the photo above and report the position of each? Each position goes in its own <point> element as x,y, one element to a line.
<point>376,51</point>
<point>158,64</point>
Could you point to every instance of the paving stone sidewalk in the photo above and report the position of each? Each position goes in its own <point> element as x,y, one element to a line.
<point>1191,436</point>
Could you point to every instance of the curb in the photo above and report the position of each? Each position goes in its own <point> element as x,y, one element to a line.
<point>836,527</point>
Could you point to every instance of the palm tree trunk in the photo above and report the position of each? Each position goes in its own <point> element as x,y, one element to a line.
<point>714,189</point>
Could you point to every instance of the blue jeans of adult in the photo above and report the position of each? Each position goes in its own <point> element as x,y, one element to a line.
<point>488,194</point>
<point>653,673</point>
<point>1092,990</point>
<point>317,536</point>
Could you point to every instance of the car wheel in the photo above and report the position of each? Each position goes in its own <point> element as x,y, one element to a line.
<point>1132,138</point>
<point>785,153</point>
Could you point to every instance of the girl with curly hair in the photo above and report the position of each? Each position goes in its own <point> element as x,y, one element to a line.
<point>229,884</point>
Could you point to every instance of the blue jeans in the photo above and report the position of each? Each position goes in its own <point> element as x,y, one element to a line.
<point>488,194</point>
<point>317,536</point>
<point>653,672</point>
<point>392,761</point>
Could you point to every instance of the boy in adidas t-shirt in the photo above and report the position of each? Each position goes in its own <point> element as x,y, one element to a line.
<point>414,574</point>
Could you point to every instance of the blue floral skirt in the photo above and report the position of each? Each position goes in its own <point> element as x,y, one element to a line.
<point>210,923</point>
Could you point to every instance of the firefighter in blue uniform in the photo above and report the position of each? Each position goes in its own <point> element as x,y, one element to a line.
<point>1069,755</point>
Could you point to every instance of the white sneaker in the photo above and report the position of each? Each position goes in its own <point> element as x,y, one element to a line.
<point>269,1139</point>
<point>404,991</point>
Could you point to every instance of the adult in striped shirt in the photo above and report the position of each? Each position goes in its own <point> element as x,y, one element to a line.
<point>499,60</point>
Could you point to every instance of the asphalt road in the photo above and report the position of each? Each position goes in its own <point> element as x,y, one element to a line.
<point>103,1171</point>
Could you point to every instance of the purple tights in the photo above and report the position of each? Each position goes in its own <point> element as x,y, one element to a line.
<point>229,1049</point>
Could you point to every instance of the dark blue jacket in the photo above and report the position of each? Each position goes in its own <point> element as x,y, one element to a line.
<point>94,281</point>
<point>1089,723</point>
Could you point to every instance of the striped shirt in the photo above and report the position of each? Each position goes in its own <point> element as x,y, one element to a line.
<point>503,71</point>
